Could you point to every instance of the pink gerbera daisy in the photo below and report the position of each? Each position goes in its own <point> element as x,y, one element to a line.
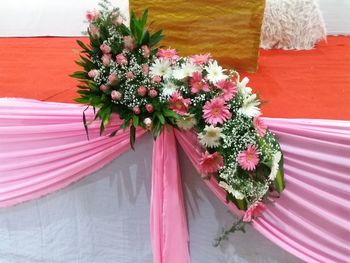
<point>211,163</point>
<point>228,88</point>
<point>197,84</point>
<point>259,126</point>
<point>167,54</point>
<point>249,158</point>
<point>215,111</point>
<point>200,59</point>
<point>253,211</point>
<point>179,104</point>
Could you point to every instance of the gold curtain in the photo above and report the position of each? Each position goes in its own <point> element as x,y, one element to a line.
<point>229,30</point>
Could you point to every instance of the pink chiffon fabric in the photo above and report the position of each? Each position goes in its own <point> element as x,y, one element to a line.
<point>43,148</point>
<point>311,219</point>
<point>169,231</point>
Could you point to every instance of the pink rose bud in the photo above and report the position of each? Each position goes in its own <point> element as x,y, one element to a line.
<point>94,31</point>
<point>146,51</point>
<point>117,20</point>
<point>116,95</point>
<point>103,88</point>
<point>113,79</point>
<point>121,59</point>
<point>149,107</point>
<point>153,93</point>
<point>129,43</point>
<point>105,48</point>
<point>129,75</point>
<point>147,122</point>
<point>141,91</point>
<point>93,73</point>
<point>156,79</point>
<point>92,15</point>
<point>106,59</point>
<point>136,110</point>
<point>145,69</point>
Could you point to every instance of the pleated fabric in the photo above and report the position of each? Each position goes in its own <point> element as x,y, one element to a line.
<point>44,147</point>
<point>311,218</point>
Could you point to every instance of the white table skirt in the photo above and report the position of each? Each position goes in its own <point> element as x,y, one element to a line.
<point>105,219</point>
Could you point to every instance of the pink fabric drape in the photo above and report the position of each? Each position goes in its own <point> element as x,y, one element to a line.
<point>311,219</point>
<point>169,232</point>
<point>43,148</point>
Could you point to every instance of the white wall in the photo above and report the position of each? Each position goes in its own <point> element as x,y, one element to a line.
<point>48,17</point>
<point>336,14</point>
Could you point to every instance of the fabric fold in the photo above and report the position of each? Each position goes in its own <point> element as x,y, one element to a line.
<point>169,231</point>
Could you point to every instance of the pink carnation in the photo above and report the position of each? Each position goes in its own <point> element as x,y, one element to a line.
<point>197,83</point>
<point>259,126</point>
<point>156,79</point>
<point>130,75</point>
<point>153,93</point>
<point>129,43</point>
<point>106,59</point>
<point>215,111</point>
<point>94,31</point>
<point>146,51</point>
<point>121,59</point>
<point>249,158</point>
<point>91,16</point>
<point>200,59</point>
<point>211,163</point>
<point>113,79</point>
<point>179,104</point>
<point>253,211</point>
<point>103,88</point>
<point>117,20</point>
<point>228,88</point>
<point>149,107</point>
<point>136,110</point>
<point>145,69</point>
<point>93,73</point>
<point>116,95</point>
<point>141,91</point>
<point>167,54</point>
<point>105,48</point>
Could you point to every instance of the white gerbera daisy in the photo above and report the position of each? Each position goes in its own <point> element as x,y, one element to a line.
<point>242,87</point>
<point>187,122</point>
<point>215,72</point>
<point>276,158</point>
<point>168,89</point>
<point>161,67</point>
<point>250,106</point>
<point>186,70</point>
<point>229,189</point>
<point>211,136</point>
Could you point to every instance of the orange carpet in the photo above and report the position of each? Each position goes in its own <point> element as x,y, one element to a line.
<point>306,84</point>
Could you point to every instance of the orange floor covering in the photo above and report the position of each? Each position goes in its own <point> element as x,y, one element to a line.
<point>297,84</point>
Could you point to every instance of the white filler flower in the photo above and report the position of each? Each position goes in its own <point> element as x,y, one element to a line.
<point>275,165</point>
<point>229,188</point>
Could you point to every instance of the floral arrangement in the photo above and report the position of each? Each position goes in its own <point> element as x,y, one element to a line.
<point>125,73</point>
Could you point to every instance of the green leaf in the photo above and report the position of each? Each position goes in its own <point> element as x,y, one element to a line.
<point>279,180</point>
<point>241,204</point>
<point>132,136</point>
<point>79,75</point>
<point>82,100</point>
<point>135,120</point>
<point>157,130</point>
<point>83,46</point>
<point>85,123</point>
<point>160,117</point>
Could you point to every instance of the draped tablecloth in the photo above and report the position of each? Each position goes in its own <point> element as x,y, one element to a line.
<point>43,148</point>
